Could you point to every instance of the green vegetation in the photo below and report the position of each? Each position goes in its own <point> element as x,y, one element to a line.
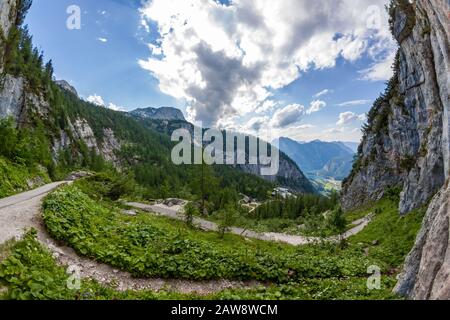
<point>153,246</point>
<point>189,212</point>
<point>28,271</point>
<point>157,247</point>
<point>408,9</point>
<point>17,178</point>
<point>227,219</point>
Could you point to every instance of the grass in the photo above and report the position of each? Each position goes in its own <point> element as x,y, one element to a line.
<point>15,178</point>
<point>393,234</point>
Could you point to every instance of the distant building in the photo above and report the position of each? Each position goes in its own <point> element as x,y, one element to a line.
<point>282,192</point>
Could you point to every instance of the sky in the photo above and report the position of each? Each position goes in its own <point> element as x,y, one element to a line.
<point>297,68</point>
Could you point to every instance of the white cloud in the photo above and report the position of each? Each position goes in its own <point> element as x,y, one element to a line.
<point>96,99</point>
<point>115,107</point>
<point>104,40</point>
<point>353,103</point>
<point>288,115</point>
<point>305,127</point>
<point>322,93</point>
<point>381,70</point>
<point>254,125</point>
<point>99,101</point>
<point>266,106</point>
<point>226,60</point>
<point>316,106</point>
<point>347,118</point>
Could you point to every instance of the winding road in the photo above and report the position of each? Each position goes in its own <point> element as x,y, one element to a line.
<point>21,212</point>
<point>175,212</point>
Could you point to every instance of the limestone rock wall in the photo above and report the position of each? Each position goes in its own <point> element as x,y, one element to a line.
<point>412,150</point>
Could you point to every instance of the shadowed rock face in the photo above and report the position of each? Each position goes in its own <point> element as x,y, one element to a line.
<point>427,268</point>
<point>410,150</point>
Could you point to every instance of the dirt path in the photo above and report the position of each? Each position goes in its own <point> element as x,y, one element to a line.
<point>22,212</point>
<point>174,212</point>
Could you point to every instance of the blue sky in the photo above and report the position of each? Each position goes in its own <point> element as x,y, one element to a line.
<point>237,65</point>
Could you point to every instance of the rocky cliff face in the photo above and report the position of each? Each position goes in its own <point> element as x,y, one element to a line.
<point>406,144</point>
<point>7,17</point>
<point>18,102</point>
<point>163,113</point>
<point>427,268</point>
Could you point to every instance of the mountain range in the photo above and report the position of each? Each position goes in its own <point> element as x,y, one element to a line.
<point>319,159</point>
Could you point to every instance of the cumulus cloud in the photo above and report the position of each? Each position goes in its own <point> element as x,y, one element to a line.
<point>254,125</point>
<point>316,106</point>
<point>226,60</point>
<point>287,116</point>
<point>381,70</point>
<point>99,101</point>
<point>347,118</point>
<point>353,103</point>
<point>115,107</point>
<point>96,99</point>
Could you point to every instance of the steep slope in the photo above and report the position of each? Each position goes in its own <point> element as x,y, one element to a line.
<point>289,174</point>
<point>406,143</point>
<point>318,158</point>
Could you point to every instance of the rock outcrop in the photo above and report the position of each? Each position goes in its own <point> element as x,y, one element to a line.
<point>164,113</point>
<point>406,144</point>
<point>427,268</point>
<point>7,18</point>
<point>11,97</point>
<point>63,84</point>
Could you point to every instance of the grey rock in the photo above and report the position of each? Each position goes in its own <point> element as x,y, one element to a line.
<point>109,146</point>
<point>426,274</point>
<point>11,97</point>
<point>7,19</point>
<point>413,152</point>
<point>78,175</point>
<point>164,113</point>
<point>67,86</point>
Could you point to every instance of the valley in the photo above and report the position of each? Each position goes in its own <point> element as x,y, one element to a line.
<point>94,207</point>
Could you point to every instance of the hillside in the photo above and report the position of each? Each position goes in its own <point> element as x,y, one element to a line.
<point>74,134</point>
<point>289,175</point>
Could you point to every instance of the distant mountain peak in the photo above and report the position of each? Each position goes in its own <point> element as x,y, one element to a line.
<point>319,158</point>
<point>66,86</point>
<point>163,113</point>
